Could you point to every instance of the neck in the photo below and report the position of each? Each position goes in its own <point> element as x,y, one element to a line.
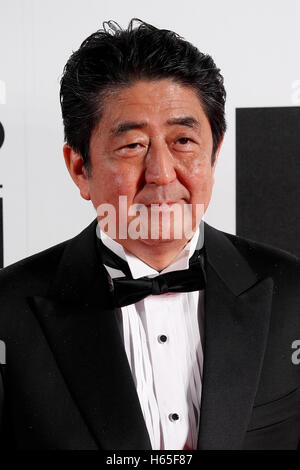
<point>158,254</point>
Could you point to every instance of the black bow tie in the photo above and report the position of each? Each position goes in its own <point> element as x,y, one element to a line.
<point>126,290</point>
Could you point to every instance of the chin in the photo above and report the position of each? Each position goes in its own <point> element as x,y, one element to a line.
<point>161,241</point>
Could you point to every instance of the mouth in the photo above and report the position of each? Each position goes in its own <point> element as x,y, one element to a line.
<point>163,206</point>
<point>160,203</point>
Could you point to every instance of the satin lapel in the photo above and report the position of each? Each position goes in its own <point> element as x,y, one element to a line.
<point>83,333</point>
<point>237,313</point>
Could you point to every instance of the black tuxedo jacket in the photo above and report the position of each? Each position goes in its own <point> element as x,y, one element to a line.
<point>67,384</point>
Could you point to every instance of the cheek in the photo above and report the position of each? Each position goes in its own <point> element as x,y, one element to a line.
<point>197,175</point>
<point>124,181</point>
<point>111,181</point>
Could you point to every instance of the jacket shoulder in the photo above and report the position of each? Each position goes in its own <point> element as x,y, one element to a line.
<point>267,260</point>
<point>32,273</point>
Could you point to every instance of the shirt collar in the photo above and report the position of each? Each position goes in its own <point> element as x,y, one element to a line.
<point>139,269</point>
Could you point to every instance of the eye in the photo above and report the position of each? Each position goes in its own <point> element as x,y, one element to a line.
<point>184,140</point>
<point>132,146</point>
<point>131,150</point>
<point>184,145</point>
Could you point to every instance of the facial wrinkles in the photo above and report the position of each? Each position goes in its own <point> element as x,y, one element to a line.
<point>155,108</point>
<point>155,104</point>
<point>155,96</point>
<point>118,180</point>
<point>171,192</point>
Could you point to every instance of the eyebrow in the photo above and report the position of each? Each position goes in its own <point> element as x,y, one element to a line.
<point>187,121</point>
<point>125,126</point>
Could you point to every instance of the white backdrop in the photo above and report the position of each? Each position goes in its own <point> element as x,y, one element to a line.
<point>255,43</point>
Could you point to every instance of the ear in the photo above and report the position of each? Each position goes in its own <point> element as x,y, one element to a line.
<point>75,165</point>
<point>216,156</point>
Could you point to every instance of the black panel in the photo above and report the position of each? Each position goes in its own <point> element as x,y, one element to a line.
<point>1,233</point>
<point>268,176</point>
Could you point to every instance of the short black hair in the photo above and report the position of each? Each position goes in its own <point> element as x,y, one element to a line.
<point>113,57</point>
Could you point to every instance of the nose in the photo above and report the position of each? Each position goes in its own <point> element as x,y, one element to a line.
<point>159,165</point>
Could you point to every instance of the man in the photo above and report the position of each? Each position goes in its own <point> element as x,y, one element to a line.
<point>148,341</point>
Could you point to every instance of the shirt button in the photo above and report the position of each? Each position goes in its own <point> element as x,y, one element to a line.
<point>173,417</point>
<point>162,338</point>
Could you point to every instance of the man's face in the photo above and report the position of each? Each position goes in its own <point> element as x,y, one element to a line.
<point>153,144</point>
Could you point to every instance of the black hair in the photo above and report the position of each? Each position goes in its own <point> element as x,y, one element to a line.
<point>113,57</point>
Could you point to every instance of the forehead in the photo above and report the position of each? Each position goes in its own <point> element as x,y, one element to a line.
<point>153,101</point>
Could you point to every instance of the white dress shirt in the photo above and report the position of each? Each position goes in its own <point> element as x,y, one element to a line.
<point>163,337</point>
